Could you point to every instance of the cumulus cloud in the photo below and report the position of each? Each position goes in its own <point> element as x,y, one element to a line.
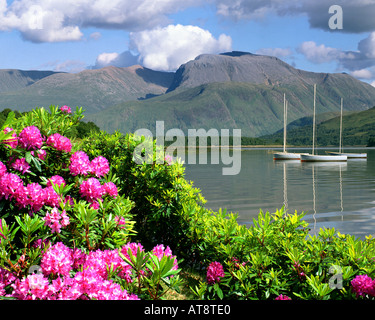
<point>169,47</point>
<point>275,52</point>
<point>56,20</point>
<point>124,59</point>
<point>320,53</point>
<point>360,63</point>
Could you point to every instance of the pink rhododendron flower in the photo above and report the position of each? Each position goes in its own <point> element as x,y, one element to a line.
<point>41,154</point>
<point>133,247</point>
<point>66,109</point>
<point>55,220</point>
<point>215,271</point>
<point>30,138</point>
<point>99,166</point>
<point>3,169</point>
<point>34,197</point>
<point>34,286</point>
<point>281,297</point>
<point>59,142</point>
<point>110,189</point>
<point>56,180</point>
<point>12,142</point>
<point>51,198</point>
<point>91,189</point>
<point>363,285</point>
<point>160,251</point>
<point>21,165</point>
<point>10,185</point>
<point>57,260</point>
<point>79,164</point>
<point>6,278</point>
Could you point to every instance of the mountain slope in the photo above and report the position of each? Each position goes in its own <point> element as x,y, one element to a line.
<point>12,79</point>
<point>358,128</point>
<point>255,109</point>
<point>94,90</point>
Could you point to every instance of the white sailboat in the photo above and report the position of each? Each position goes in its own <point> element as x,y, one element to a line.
<point>313,157</point>
<point>284,155</point>
<point>349,155</point>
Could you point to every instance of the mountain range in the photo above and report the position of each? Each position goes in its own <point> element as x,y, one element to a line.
<point>223,91</point>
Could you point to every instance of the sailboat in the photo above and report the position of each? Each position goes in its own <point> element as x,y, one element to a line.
<point>349,155</point>
<point>313,157</point>
<point>284,155</point>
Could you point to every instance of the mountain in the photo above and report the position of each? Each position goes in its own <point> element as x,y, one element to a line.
<point>222,91</point>
<point>238,90</point>
<point>358,129</point>
<point>12,79</point>
<point>94,90</point>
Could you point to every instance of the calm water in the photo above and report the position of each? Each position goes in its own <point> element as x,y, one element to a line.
<point>339,195</point>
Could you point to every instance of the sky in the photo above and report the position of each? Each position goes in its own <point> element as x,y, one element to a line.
<point>74,35</point>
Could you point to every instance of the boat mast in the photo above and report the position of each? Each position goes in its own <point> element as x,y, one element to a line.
<point>313,145</point>
<point>285,111</point>
<point>340,147</point>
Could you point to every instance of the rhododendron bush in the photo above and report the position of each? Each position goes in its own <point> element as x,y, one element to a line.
<point>62,215</point>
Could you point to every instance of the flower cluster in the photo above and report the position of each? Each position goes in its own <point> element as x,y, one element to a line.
<point>12,142</point>
<point>80,165</point>
<point>30,138</point>
<point>33,195</point>
<point>55,220</point>
<point>20,165</point>
<point>282,297</point>
<point>92,190</point>
<point>59,142</point>
<point>215,271</point>
<point>56,179</point>
<point>66,109</point>
<point>160,251</point>
<point>99,166</point>
<point>363,285</point>
<point>70,274</point>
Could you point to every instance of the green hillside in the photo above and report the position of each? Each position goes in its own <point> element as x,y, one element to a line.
<point>358,129</point>
<point>94,90</point>
<point>255,109</point>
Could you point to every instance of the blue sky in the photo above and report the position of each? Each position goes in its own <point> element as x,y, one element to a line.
<point>73,35</point>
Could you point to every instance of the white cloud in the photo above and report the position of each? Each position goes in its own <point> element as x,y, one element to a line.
<point>362,74</point>
<point>367,46</point>
<point>318,53</point>
<point>56,20</point>
<point>169,47</point>
<point>275,52</point>
<point>124,59</point>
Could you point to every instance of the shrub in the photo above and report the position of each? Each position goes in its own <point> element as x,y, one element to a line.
<point>61,210</point>
<point>277,256</point>
<point>165,203</point>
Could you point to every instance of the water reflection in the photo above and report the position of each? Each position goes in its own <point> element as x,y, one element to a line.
<point>339,195</point>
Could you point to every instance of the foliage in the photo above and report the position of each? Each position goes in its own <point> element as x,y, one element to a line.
<point>61,212</point>
<point>277,256</point>
<point>81,211</point>
<point>164,200</point>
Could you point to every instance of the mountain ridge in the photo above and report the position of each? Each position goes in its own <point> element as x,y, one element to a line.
<point>229,90</point>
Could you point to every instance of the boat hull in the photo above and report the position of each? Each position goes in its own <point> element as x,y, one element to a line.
<point>321,158</point>
<point>349,155</point>
<point>286,156</point>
